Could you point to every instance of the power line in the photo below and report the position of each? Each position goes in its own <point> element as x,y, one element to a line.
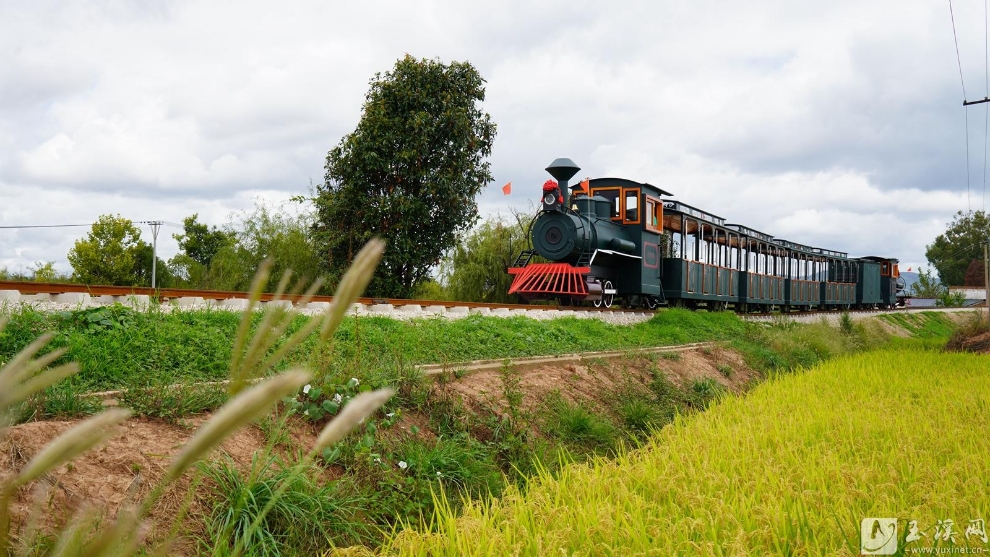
<point>956,40</point>
<point>17,226</point>
<point>45,225</point>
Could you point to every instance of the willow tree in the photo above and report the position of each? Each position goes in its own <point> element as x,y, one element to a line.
<point>409,172</point>
<point>475,270</point>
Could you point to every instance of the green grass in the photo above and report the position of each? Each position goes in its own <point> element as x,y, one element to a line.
<point>922,325</point>
<point>578,427</point>
<point>792,468</point>
<point>119,348</point>
<point>300,522</point>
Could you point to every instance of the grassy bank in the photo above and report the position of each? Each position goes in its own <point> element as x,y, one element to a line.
<point>117,347</point>
<point>792,468</point>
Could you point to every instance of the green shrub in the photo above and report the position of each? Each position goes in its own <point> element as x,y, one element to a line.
<point>300,521</point>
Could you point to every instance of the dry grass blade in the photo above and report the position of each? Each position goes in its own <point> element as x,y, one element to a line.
<point>17,368</point>
<point>73,442</point>
<point>120,539</point>
<point>243,409</point>
<point>355,412</point>
<point>353,284</point>
<point>237,354</point>
<point>33,366</point>
<point>259,357</point>
<point>37,384</point>
<point>283,284</point>
<point>291,343</point>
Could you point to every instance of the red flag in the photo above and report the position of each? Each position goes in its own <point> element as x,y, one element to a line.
<point>507,189</point>
<point>584,186</point>
<point>909,269</point>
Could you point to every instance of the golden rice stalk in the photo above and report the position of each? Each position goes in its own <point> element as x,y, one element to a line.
<point>355,412</point>
<point>353,284</point>
<point>243,409</point>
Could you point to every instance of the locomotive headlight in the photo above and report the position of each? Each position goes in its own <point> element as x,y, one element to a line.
<point>548,199</point>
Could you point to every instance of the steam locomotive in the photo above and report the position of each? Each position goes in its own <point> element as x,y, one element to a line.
<point>611,240</point>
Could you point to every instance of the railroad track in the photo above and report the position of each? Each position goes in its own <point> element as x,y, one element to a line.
<point>98,294</point>
<point>86,294</point>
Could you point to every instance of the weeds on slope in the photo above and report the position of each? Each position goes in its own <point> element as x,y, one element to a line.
<point>288,493</point>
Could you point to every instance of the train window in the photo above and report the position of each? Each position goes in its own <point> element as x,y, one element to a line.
<point>630,206</point>
<point>654,215</point>
<point>691,241</point>
<point>672,247</point>
<point>612,194</point>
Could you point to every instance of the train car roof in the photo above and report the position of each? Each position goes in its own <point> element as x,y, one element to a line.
<point>681,207</point>
<point>812,250</point>
<point>624,183</point>
<point>750,232</point>
<point>879,259</point>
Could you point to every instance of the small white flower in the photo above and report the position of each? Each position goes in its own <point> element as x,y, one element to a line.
<point>355,381</point>
<point>306,389</point>
<point>378,460</point>
<point>337,398</point>
<point>306,413</point>
<point>439,475</point>
<point>390,414</point>
<point>403,465</point>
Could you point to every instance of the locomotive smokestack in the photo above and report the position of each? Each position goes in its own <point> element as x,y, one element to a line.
<point>563,170</point>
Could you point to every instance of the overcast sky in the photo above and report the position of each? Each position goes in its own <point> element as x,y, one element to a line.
<point>834,124</point>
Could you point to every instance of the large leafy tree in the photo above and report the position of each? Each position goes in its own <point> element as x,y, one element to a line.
<point>109,254</point>
<point>409,172</point>
<point>963,241</point>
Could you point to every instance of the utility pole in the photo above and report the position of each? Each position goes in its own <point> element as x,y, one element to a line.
<point>986,278</point>
<point>155,226</point>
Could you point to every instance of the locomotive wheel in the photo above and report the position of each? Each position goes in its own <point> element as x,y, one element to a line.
<point>606,299</point>
<point>651,302</point>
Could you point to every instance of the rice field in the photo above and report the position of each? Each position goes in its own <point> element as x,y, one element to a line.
<point>792,468</point>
